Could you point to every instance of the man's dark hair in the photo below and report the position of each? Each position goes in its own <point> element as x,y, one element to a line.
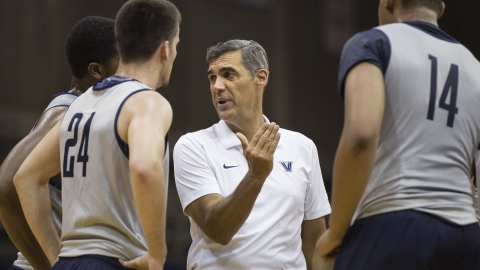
<point>254,56</point>
<point>92,39</point>
<point>142,25</point>
<point>433,4</point>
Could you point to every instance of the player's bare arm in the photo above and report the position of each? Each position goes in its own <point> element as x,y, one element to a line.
<point>311,232</point>
<point>31,183</point>
<point>220,218</point>
<point>143,123</point>
<point>11,213</point>
<point>364,107</point>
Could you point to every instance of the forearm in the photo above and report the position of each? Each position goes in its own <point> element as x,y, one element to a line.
<point>354,163</point>
<point>35,201</point>
<point>309,254</point>
<point>21,235</point>
<point>11,213</point>
<point>311,232</point>
<point>226,217</point>
<point>149,195</point>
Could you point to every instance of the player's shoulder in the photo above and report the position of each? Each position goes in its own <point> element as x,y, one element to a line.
<point>119,82</point>
<point>62,99</point>
<point>410,28</point>
<point>295,139</point>
<point>373,39</point>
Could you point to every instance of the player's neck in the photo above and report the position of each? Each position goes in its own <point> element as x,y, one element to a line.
<point>418,14</point>
<point>148,73</point>
<point>247,127</point>
<point>79,86</point>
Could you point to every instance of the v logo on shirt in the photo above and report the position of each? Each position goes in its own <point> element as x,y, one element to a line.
<point>287,165</point>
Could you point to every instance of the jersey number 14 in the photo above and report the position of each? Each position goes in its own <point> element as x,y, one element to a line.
<point>82,155</point>
<point>451,86</point>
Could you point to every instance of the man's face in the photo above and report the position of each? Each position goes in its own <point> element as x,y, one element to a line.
<point>234,92</point>
<point>172,55</point>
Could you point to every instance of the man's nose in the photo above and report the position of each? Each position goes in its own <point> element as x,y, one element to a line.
<point>219,85</point>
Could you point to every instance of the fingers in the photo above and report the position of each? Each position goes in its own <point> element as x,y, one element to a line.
<point>259,133</point>
<point>130,264</point>
<point>330,257</point>
<point>272,136</point>
<point>243,140</point>
<point>273,145</point>
<point>269,136</point>
<point>265,136</point>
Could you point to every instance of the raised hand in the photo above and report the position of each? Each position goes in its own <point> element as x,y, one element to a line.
<point>259,152</point>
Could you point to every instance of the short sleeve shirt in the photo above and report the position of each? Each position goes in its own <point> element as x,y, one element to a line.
<point>211,161</point>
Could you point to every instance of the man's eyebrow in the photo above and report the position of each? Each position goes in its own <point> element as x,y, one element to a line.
<point>210,71</point>
<point>227,69</point>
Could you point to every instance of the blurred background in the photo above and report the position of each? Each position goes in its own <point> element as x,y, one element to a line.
<point>303,40</point>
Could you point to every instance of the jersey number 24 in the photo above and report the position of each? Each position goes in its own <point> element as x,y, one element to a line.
<point>82,155</point>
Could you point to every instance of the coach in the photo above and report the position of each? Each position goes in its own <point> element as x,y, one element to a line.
<point>255,201</point>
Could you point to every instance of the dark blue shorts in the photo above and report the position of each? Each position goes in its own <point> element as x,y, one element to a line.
<point>16,267</point>
<point>409,240</point>
<point>88,262</point>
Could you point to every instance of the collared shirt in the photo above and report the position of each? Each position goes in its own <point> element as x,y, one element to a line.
<point>211,161</point>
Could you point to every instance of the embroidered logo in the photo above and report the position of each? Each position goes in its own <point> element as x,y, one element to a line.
<point>287,165</point>
<point>229,167</point>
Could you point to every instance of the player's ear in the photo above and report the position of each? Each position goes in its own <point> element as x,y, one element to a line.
<point>96,70</point>
<point>165,50</point>
<point>442,10</point>
<point>261,77</point>
<point>390,5</point>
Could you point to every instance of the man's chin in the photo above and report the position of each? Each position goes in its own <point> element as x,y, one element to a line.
<point>226,116</point>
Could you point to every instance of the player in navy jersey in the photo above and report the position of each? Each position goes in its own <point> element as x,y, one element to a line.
<point>403,166</point>
<point>111,147</point>
<point>92,55</point>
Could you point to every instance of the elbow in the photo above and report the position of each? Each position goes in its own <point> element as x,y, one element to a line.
<point>362,142</point>
<point>219,236</point>
<point>17,180</point>
<point>222,240</point>
<point>144,171</point>
<point>23,178</point>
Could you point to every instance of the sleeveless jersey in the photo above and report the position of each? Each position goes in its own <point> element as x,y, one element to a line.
<point>431,123</point>
<point>62,99</point>
<point>99,213</point>
<point>476,197</point>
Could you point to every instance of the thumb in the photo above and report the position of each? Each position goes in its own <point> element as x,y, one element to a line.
<point>133,264</point>
<point>243,140</point>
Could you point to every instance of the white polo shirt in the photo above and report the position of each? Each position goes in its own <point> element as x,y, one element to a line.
<point>211,161</point>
